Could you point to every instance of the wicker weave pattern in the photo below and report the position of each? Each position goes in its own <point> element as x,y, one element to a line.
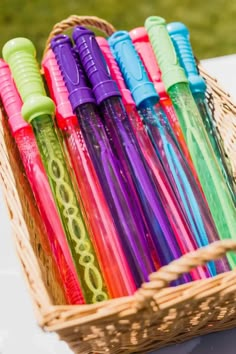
<point>224,111</point>
<point>156,315</point>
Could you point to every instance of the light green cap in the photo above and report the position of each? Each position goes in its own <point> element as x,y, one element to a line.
<point>20,54</point>
<point>164,51</point>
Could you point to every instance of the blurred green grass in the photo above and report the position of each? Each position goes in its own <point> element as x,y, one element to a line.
<point>211,22</point>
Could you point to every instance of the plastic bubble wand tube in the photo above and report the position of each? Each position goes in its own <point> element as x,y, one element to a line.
<point>143,46</point>
<point>125,145</point>
<point>110,253</point>
<point>182,232</point>
<point>180,38</point>
<point>27,146</point>
<point>38,110</point>
<point>158,128</point>
<point>209,172</point>
<point>122,202</point>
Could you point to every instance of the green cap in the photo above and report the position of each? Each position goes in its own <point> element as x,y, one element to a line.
<point>164,51</point>
<point>20,53</point>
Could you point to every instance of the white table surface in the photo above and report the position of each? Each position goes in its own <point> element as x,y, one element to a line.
<point>19,332</point>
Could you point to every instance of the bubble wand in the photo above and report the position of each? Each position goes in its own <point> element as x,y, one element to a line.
<point>110,253</point>
<point>209,173</point>
<point>35,172</point>
<point>38,110</point>
<point>121,200</point>
<point>141,42</point>
<point>124,143</point>
<point>181,179</point>
<point>175,215</point>
<point>180,38</point>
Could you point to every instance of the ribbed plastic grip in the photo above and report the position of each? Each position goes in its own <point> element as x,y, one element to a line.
<point>164,50</point>
<point>76,83</point>
<point>11,99</point>
<point>115,72</point>
<point>132,68</point>
<point>57,89</point>
<point>19,53</point>
<point>143,46</point>
<point>94,64</point>
<point>180,38</point>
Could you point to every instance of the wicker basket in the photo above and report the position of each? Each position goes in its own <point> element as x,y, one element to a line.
<point>156,315</point>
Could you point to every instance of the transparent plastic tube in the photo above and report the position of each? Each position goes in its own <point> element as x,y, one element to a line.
<point>38,110</point>
<point>82,250</point>
<point>110,253</point>
<point>186,241</point>
<point>181,40</point>
<point>120,196</point>
<point>160,133</point>
<point>174,213</point>
<point>143,46</point>
<point>31,159</point>
<point>121,200</point>
<point>209,173</point>
<point>182,181</point>
<point>38,180</point>
<point>211,178</point>
<point>125,144</point>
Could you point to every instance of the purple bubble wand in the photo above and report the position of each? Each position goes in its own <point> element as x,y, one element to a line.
<point>125,145</point>
<point>119,194</point>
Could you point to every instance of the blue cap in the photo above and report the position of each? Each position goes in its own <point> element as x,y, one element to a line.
<point>180,38</point>
<point>133,71</point>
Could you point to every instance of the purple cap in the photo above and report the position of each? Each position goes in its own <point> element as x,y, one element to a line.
<point>94,64</point>
<point>73,75</point>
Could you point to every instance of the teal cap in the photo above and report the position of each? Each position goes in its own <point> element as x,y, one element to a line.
<point>179,34</point>
<point>133,71</point>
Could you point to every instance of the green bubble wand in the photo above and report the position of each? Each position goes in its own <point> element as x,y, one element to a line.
<point>202,154</point>
<point>38,110</point>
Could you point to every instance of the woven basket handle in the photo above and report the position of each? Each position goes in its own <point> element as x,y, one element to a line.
<point>71,21</point>
<point>163,277</point>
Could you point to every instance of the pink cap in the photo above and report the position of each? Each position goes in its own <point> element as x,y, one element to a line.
<point>58,90</point>
<point>141,42</point>
<point>116,73</point>
<point>11,99</point>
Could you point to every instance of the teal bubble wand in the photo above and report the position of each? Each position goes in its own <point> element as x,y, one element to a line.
<point>156,123</point>
<point>180,38</point>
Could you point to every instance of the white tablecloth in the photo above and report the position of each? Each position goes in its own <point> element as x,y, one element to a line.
<point>18,330</point>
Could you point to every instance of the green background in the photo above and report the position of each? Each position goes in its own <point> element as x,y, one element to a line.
<point>211,22</point>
